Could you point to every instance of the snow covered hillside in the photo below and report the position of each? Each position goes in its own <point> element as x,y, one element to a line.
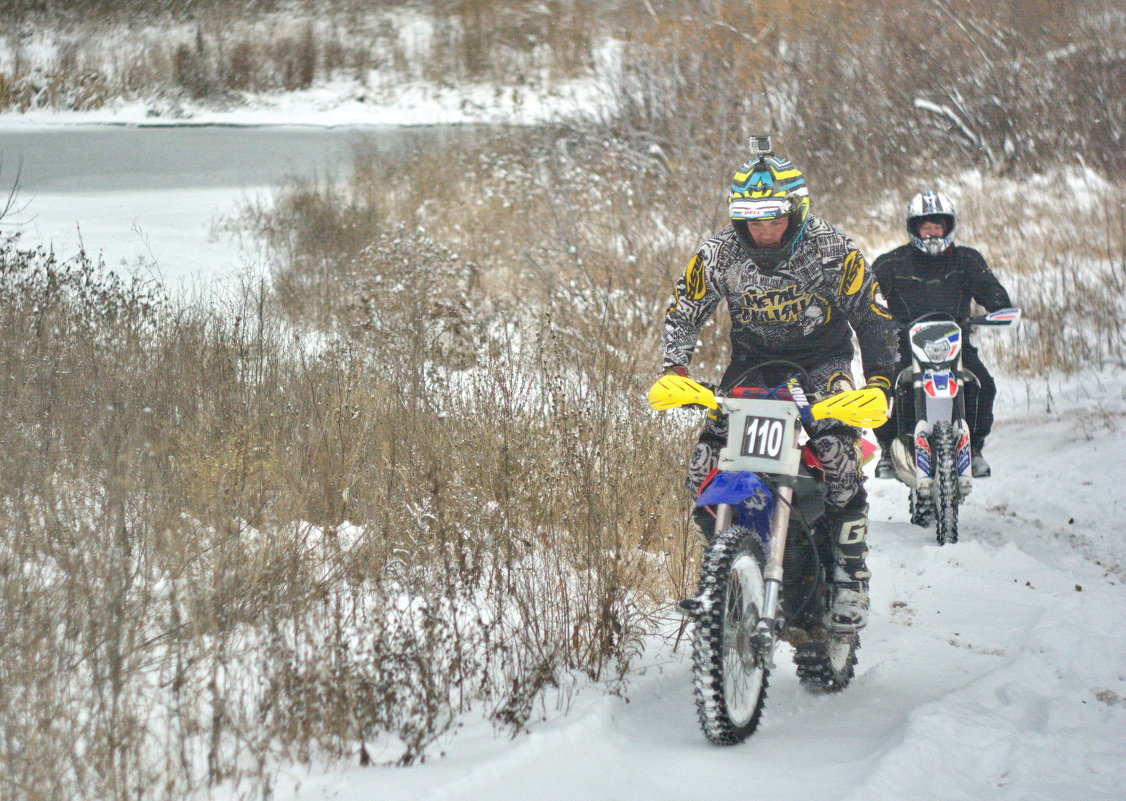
<point>992,669</point>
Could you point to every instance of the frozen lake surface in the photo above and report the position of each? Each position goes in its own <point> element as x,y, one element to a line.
<point>153,199</point>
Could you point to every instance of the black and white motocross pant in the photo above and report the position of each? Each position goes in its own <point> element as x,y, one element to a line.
<point>835,444</point>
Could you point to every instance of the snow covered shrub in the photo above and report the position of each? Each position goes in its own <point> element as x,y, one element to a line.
<point>225,545</point>
<point>1074,319</point>
<point>497,421</point>
<point>1058,243</point>
<point>209,53</point>
<point>407,291</point>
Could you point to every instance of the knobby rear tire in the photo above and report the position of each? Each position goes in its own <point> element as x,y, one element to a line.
<point>827,666</point>
<point>730,684</point>
<point>921,509</point>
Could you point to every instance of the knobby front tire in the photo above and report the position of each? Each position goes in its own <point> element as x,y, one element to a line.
<point>729,678</point>
<point>946,484</point>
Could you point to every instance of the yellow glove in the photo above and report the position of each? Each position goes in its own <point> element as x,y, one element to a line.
<point>880,382</point>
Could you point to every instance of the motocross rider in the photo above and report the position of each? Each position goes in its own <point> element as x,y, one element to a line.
<point>932,274</point>
<point>796,289</point>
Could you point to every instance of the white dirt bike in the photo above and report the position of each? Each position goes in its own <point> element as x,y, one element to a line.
<point>764,577</point>
<point>934,458</point>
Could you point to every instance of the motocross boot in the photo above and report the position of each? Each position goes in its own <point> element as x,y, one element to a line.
<point>979,468</point>
<point>848,529</point>
<point>885,468</point>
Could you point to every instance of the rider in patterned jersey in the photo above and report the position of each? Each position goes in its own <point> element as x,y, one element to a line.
<point>797,288</point>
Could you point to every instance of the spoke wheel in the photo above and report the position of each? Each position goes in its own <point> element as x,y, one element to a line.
<point>730,676</point>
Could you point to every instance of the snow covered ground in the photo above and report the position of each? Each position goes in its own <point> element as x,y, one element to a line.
<point>346,102</point>
<point>992,669</point>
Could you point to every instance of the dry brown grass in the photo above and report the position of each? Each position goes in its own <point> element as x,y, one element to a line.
<point>225,547</point>
<point>1058,242</point>
<point>215,52</point>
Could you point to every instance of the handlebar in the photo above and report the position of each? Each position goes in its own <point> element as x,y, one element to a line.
<point>864,408</point>
<point>998,318</point>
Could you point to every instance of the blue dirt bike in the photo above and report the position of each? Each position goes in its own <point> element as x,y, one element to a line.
<point>764,576</point>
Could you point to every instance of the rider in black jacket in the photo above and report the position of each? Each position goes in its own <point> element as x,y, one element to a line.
<point>932,274</point>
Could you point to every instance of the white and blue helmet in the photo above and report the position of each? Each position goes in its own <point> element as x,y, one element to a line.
<point>931,206</point>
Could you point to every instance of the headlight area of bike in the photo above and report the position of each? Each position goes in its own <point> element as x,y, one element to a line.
<point>939,350</point>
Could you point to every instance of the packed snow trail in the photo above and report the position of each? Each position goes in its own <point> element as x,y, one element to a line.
<point>994,668</point>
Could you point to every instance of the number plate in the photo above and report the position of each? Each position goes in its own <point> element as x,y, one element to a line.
<point>761,437</point>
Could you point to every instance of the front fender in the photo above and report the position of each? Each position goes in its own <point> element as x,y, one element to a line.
<point>941,384</point>
<point>735,487</point>
<point>750,495</point>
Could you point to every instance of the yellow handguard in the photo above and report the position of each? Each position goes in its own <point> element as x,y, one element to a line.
<point>672,391</point>
<point>863,408</point>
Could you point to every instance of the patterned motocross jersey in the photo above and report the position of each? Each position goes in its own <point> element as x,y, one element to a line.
<point>801,311</point>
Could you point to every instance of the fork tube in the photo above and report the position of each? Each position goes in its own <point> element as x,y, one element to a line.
<point>779,527</point>
<point>724,514</point>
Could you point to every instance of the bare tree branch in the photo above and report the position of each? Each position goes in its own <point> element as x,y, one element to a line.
<point>8,206</point>
<point>951,116</point>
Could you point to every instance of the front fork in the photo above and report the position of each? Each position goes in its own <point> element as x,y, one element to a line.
<point>928,412</point>
<point>765,636</point>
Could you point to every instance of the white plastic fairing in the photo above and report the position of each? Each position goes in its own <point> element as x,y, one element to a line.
<point>935,342</point>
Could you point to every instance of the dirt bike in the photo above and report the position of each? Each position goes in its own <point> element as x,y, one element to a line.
<point>764,576</point>
<point>934,459</point>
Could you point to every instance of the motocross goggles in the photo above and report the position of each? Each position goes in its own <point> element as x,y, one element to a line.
<point>759,208</point>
